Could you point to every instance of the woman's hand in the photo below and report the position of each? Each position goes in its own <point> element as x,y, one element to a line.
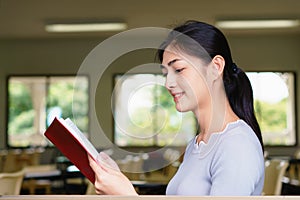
<point>109,180</point>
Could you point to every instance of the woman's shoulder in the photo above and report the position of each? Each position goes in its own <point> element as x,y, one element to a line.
<point>239,138</point>
<point>237,130</point>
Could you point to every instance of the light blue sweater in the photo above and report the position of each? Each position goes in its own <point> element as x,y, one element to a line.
<point>230,164</point>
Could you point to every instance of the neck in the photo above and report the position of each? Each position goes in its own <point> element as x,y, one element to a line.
<point>215,115</point>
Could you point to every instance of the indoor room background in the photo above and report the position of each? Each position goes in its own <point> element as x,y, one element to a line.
<point>27,49</point>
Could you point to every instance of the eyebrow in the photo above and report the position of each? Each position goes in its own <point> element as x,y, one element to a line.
<point>173,61</point>
<point>170,63</point>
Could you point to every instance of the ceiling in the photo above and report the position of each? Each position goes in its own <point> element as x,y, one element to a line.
<point>26,18</point>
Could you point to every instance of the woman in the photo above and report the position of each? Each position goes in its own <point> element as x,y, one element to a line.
<point>226,157</point>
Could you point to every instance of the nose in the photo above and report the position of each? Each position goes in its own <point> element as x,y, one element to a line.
<point>170,81</point>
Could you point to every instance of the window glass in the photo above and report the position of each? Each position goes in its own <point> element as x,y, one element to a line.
<point>274,103</point>
<point>34,101</point>
<point>145,113</point>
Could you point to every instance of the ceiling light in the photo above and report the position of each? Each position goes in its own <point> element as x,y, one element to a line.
<point>257,24</point>
<point>86,27</point>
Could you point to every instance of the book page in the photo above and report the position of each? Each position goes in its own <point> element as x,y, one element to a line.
<point>74,130</point>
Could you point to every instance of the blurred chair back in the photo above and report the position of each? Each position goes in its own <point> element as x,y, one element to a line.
<point>31,156</point>
<point>274,172</point>
<point>12,161</point>
<point>11,183</point>
<point>3,154</point>
<point>37,156</point>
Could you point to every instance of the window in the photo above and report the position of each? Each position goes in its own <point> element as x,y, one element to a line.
<point>33,102</point>
<point>274,104</point>
<point>145,114</point>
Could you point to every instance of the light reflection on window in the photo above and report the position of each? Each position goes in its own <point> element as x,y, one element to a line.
<point>274,102</point>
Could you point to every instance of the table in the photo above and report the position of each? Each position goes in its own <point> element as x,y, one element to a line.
<point>44,176</point>
<point>41,172</point>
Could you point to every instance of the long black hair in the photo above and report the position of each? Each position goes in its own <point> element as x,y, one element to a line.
<point>237,85</point>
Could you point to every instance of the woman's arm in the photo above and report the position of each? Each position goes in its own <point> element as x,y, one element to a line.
<point>109,180</point>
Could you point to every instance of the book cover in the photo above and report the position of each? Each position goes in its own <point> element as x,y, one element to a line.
<point>73,144</point>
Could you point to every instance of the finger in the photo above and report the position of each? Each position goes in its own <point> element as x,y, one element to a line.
<point>101,167</point>
<point>94,165</point>
<point>106,159</point>
<point>97,167</point>
<point>99,192</point>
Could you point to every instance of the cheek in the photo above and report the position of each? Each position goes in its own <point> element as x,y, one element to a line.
<point>199,89</point>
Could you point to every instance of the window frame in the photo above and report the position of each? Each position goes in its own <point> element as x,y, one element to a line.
<point>7,102</point>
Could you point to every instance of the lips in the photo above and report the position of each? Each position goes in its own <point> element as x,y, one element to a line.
<point>177,96</point>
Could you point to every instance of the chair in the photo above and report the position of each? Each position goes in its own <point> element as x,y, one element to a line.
<point>11,183</point>
<point>3,154</point>
<point>37,156</point>
<point>274,172</point>
<point>31,185</point>
<point>12,161</point>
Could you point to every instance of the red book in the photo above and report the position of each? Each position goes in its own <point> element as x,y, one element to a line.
<point>65,135</point>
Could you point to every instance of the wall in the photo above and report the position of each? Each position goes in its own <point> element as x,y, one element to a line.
<point>40,56</point>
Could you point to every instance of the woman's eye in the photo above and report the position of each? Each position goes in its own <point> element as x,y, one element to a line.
<point>179,70</point>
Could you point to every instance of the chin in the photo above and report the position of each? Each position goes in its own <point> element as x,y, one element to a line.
<point>181,109</point>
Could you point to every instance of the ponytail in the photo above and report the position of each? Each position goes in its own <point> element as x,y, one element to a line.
<point>240,95</point>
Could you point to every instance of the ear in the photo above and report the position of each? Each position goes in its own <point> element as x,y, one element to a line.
<point>218,64</point>
<point>216,68</point>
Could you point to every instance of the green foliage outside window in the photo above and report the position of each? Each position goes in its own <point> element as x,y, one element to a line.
<point>62,95</point>
<point>21,111</point>
<point>271,117</point>
<point>53,92</point>
<point>145,113</point>
<point>274,106</point>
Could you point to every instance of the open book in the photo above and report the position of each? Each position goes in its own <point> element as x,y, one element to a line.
<point>65,135</point>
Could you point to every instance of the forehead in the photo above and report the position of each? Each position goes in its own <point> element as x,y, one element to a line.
<point>172,53</point>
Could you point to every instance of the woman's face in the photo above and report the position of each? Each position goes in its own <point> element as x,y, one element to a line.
<point>185,80</point>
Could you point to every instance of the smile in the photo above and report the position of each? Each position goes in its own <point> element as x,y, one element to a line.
<point>177,96</point>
